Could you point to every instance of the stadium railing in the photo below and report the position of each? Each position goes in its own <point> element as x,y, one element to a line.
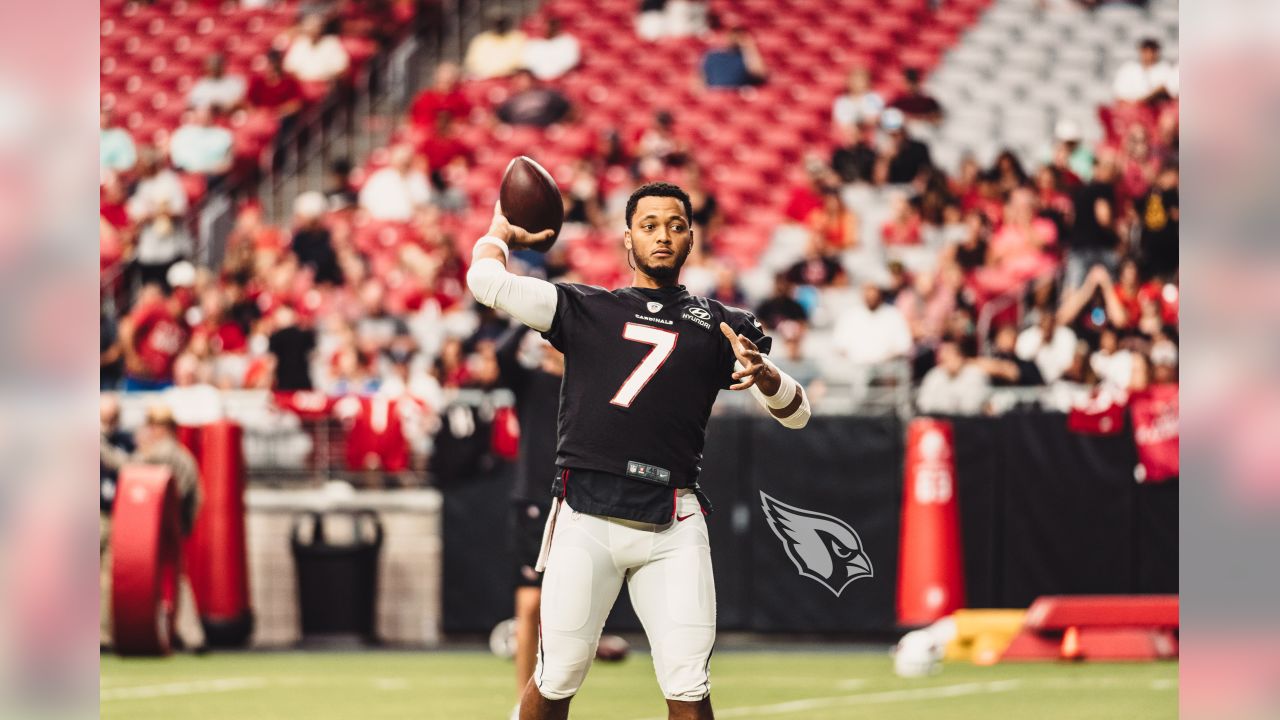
<point>285,448</point>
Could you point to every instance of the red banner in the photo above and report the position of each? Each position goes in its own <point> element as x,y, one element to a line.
<point>308,405</point>
<point>1102,413</point>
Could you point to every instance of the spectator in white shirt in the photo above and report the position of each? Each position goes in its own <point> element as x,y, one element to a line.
<point>315,56</point>
<point>651,23</point>
<point>550,57</point>
<point>193,398</point>
<point>200,146</point>
<point>116,150</point>
<point>216,88</point>
<point>1049,345</point>
<point>158,206</point>
<point>685,18</point>
<point>496,52</point>
<point>672,18</point>
<point>874,332</point>
<point>405,375</point>
<point>954,386</point>
<point>394,193</point>
<point>1148,78</point>
<point>860,105</point>
<point>1112,365</point>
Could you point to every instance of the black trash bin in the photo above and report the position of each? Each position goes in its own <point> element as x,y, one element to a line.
<point>337,582</point>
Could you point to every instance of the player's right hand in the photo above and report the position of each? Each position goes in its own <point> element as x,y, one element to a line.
<point>514,235</point>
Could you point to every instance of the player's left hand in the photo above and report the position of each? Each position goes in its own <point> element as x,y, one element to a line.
<point>753,363</point>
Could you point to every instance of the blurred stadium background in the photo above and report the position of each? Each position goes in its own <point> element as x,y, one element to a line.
<point>959,218</point>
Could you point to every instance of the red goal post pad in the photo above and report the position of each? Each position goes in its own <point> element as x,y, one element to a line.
<point>146,552</point>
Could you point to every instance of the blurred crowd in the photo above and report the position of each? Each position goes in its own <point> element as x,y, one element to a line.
<point>1058,272</point>
<point>233,113</point>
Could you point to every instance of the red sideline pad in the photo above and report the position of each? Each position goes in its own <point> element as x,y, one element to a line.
<point>1055,612</point>
<point>1110,627</point>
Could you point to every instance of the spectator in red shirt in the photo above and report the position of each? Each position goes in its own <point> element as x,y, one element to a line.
<point>1020,249</point>
<point>442,146</point>
<point>806,196</point>
<point>279,95</point>
<point>110,246</point>
<point>444,95</point>
<point>903,226</point>
<point>1147,305</point>
<point>964,184</point>
<point>1055,202</point>
<point>1159,302</point>
<point>1139,165</point>
<point>112,201</point>
<point>833,224</point>
<point>220,332</point>
<point>450,368</point>
<point>275,90</point>
<point>152,336</point>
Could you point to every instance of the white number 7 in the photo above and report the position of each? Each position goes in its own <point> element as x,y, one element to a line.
<point>663,343</point>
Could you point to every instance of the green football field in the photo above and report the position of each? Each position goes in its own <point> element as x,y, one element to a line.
<point>463,685</point>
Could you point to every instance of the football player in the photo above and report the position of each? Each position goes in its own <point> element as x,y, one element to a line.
<point>642,368</point>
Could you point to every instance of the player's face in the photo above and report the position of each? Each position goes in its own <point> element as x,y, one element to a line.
<point>660,237</point>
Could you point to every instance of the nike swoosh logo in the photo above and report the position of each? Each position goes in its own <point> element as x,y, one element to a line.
<point>680,518</point>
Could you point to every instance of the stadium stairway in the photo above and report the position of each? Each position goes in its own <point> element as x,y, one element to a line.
<point>1023,66</point>
<point>747,140</point>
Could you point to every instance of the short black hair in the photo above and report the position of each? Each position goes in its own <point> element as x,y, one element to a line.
<point>658,189</point>
<point>1149,43</point>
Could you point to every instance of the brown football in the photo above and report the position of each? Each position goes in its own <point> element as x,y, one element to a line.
<point>531,199</point>
<point>612,648</point>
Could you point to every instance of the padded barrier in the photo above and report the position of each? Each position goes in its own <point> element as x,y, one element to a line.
<point>146,542</point>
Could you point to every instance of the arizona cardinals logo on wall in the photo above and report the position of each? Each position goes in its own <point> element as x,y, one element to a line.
<point>822,547</point>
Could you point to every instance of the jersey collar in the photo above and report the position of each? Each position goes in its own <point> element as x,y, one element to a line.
<point>666,296</point>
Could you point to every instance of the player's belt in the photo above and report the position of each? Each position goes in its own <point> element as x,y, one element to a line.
<point>648,473</point>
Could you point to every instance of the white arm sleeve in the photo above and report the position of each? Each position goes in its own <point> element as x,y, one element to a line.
<point>530,300</point>
<point>786,393</point>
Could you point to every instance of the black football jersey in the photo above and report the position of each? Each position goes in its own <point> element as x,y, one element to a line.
<point>642,370</point>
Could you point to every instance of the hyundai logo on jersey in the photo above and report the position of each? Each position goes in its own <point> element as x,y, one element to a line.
<point>697,315</point>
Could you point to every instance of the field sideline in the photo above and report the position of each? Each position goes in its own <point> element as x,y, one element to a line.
<point>463,685</point>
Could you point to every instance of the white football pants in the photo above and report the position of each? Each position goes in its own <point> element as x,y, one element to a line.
<point>668,572</point>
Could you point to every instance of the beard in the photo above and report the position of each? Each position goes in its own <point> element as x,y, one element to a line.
<point>662,273</point>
